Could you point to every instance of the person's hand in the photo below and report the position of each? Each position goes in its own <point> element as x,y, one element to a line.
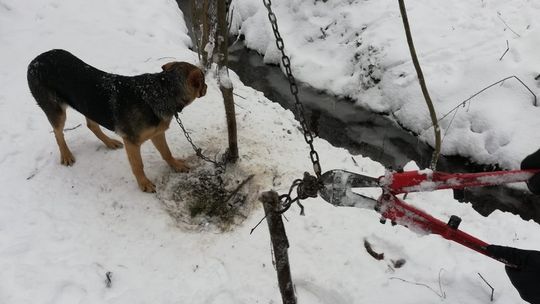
<point>525,276</point>
<point>532,162</point>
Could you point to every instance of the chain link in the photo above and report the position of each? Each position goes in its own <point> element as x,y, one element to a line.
<point>294,89</point>
<point>220,166</point>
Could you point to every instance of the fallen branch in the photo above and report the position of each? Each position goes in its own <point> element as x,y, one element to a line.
<point>506,24</point>
<point>492,289</point>
<point>369,249</point>
<point>233,193</point>
<point>507,49</point>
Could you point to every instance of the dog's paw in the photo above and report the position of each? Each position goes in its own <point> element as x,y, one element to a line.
<point>67,159</point>
<point>147,186</point>
<point>114,144</point>
<point>179,165</point>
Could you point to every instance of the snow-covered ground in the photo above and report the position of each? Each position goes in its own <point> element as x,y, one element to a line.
<point>358,49</point>
<point>62,229</point>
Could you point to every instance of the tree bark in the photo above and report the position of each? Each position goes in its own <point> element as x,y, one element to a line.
<point>225,85</point>
<point>280,244</point>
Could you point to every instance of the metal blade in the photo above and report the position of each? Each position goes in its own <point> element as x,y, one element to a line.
<point>338,186</point>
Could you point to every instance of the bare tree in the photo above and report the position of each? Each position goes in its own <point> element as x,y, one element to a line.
<point>211,34</point>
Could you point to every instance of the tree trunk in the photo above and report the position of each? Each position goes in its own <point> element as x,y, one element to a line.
<point>225,85</point>
<point>201,16</point>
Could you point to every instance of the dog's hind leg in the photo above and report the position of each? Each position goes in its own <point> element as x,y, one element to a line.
<point>58,121</point>
<point>109,142</point>
<point>55,110</point>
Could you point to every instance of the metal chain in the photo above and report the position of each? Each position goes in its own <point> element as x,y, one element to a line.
<point>219,165</point>
<point>294,89</point>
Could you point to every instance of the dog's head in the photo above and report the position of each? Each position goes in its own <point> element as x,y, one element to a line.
<point>192,76</point>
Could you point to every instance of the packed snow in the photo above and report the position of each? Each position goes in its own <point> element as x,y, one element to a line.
<point>63,228</point>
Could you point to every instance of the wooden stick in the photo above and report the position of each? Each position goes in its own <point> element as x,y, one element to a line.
<point>222,43</point>
<point>280,244</point>
<point>423,86</point>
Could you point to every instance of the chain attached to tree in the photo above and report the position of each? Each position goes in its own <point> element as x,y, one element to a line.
<point>309,185</point>
<point>220,165</point>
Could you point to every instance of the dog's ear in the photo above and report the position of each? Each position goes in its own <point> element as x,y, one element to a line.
<point>196,81</point>
<point>168,66</point>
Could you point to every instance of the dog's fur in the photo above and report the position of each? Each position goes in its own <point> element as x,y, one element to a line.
<point>137,108</point>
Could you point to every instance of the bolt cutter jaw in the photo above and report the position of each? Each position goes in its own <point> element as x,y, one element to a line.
<point>337,189</point>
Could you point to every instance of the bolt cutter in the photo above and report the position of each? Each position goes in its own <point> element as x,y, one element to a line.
<point>337,188</point>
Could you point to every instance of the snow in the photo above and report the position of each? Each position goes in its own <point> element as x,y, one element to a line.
<point>358,49</point>
<point>62,229</point>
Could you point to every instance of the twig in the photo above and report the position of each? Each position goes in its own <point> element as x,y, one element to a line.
<point>369,249</point>
<point>450,124</point>
<point>239,95</point>
<point>492,289</point>
<point>507,49</point>
<point>237,105</point>
<point>499,15</point>
<point>253,229</point>
<point>440,285</point>
<point>32,175</point>
<point>354,161</point>
<point>70,129</point>
<point>416,63</point>
<point>442,296</point>
<point>463,103</point>
<point>233,193</point>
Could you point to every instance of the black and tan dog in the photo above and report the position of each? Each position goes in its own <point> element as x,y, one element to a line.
<point>137,108</point>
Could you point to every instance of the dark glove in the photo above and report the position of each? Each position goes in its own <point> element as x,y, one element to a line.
<point>532,162</point>
<point>526,275</point>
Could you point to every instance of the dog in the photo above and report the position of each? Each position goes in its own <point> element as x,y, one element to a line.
<point>137,108</point>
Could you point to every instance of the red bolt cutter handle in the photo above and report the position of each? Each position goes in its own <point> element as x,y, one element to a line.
<point>426,180</point>
<point>338,184</point>
<point>401,213</point>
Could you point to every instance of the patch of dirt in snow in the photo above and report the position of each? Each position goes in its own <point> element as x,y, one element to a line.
<point>204,199</point>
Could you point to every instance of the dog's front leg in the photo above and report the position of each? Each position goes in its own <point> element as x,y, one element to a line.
<point>135,160</point>
<point>160,142</point>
